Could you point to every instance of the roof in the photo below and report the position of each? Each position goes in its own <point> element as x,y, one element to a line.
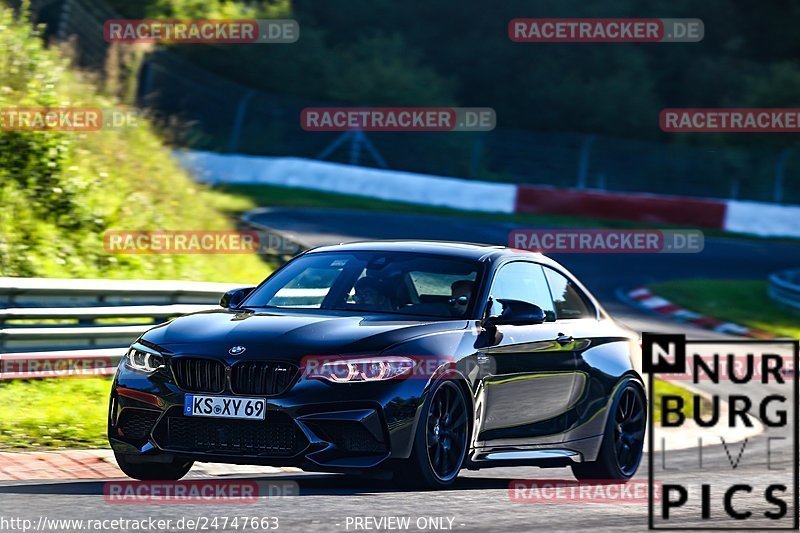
<point>454,249</point>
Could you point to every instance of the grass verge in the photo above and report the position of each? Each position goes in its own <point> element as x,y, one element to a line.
<point>743,302</point>
<point>54,413</point>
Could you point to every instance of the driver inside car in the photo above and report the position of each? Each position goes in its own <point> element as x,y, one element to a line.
<point>461,291</point>
<point>370,294</point>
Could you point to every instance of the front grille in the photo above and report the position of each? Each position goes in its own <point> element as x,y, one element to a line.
<point>136,424</point>
<point>262,378</point>
<point>277,435</point>
<point>199,375</point>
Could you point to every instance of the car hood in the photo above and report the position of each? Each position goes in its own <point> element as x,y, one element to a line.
<point>289,335</point>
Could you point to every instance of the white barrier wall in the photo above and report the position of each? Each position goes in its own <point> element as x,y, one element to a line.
<point>756,218</point>
<point>346,179</point>
<point>761,218</point>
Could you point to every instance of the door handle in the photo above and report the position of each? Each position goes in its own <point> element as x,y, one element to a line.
<point>564,339</point>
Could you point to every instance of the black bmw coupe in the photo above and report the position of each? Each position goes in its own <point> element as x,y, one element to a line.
<point>419,358</point>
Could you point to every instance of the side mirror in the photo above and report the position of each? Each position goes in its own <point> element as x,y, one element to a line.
<point>517,313</point>
<point>232,298</point>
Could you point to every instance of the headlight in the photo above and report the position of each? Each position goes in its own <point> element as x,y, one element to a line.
<point>358,369</point>
<point>144,359</point>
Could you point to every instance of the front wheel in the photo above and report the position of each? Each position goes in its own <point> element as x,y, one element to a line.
<point>151,470</point>
<point>440,442</point>
<point>623,440</point>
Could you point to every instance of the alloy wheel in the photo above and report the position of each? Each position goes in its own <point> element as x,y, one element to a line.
<point>446,431</point>
<point>629,423</point>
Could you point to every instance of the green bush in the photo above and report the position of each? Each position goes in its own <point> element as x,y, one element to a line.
<point>61,190</point>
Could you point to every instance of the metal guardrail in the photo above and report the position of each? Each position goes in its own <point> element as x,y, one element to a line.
<point>51,292</point>
<point>784,288</point>
<point>61,326</point>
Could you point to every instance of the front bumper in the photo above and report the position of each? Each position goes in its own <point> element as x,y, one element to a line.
<point>314,425</point>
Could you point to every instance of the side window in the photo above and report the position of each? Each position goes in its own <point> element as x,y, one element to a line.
<point>524,281</point>
<point>569,300</point>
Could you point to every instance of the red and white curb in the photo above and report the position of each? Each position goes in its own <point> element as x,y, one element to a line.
<point>643,297</point>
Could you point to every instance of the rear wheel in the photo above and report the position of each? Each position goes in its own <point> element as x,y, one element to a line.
<point>152,470</point>
<point>440,443</point>
<point>623,440</point>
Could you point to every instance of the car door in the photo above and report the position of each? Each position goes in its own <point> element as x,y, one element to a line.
<point>529,378</point>
<point>577,319</point>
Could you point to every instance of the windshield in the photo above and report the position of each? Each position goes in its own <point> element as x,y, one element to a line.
<point>375,282</point>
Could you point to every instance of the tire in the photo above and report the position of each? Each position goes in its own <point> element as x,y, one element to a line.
<point>440,441</point>
<point>623,439</point>
<point>152,470</point>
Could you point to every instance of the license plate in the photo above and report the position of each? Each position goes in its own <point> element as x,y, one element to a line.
<point>225,407</point>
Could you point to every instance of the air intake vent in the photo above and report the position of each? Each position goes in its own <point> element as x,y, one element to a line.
<point>136,424</point>
<point>277,435</point>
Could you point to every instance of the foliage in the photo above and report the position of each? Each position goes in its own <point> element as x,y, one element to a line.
<point>201,9</point>
<point>61,190</point>
<point>386,52</point>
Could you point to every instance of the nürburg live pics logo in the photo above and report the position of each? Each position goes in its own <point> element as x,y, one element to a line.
<point>724,438</point>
